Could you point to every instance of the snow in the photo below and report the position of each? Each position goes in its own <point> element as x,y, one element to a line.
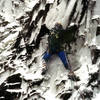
<point>31,4</point>
<point>13,36</point>
<point>50,1</point>
<point>68,12</point>
<point>50,96</point>
<point>33,77</point>
<point>97,97</point>
<point>52,18</point>
<point>10,25</point>
<point>14,90</point>
<point>13,83</point>
<point>95,17</point>
<point>97,8</point>
<point>2,29</point>
<point>4,76</point>
<point>56,71</point>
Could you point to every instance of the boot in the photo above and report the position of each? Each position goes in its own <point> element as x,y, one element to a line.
<point>73,77</point>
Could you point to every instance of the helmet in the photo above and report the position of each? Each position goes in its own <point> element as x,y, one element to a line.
<point>58,26</point>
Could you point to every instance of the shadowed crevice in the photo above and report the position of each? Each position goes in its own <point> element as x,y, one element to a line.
<point>85,4</point>
<point>73,12</point>
<point>43,31</point>
<point>47,7</point>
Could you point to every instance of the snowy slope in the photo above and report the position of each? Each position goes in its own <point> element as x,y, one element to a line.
<point>21,53</point>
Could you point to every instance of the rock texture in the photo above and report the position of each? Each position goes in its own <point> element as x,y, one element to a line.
<point>24,25</point>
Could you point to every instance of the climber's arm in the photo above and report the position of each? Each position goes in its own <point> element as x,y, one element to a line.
<point>43,31</point>
<point>69,33</point>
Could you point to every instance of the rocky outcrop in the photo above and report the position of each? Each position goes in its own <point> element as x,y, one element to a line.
<point>24,28</point>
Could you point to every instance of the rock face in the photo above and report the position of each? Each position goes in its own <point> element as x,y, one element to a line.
<point>24,25</point>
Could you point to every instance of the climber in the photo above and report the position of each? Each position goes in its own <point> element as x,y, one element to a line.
<point>56,38</point>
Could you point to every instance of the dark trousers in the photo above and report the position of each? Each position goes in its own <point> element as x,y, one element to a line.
<point>61,55</point>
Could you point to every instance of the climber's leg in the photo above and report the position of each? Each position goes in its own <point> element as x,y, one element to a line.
<point>45,58</point>
<point>64,59</point>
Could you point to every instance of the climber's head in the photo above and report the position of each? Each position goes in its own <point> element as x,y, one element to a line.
<point>58,26</point>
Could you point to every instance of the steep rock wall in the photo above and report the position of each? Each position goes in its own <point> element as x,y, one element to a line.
<point>22,23</point>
